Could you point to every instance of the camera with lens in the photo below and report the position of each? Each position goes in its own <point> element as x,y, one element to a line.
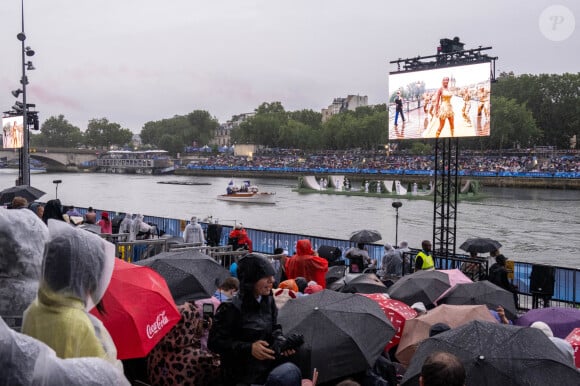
<point>286,342</point>
<point>208,311</point>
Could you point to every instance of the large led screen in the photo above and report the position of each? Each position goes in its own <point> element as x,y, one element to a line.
<point>12,132</point>
<point>440,103</point>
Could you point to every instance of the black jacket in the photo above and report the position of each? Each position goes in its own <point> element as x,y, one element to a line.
<point>498,275</point>
<point>236,326</point>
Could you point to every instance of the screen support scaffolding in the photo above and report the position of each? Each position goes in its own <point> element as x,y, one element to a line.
<point>446,149</point>
<point>445,197</point>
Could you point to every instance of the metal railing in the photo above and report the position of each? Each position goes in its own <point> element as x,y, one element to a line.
<point>567,280</point>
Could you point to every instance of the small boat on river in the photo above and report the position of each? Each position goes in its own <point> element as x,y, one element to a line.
<point>247,193</point>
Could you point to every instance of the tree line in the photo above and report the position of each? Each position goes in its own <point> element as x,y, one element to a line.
<point>526,111</point>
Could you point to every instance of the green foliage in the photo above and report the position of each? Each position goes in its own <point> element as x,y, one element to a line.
<point>526,111</point>
<point>419,148</point>
<point>173,134</point>
<point>553,100</point>
<point>57,132</point>
<point>513,125</point>
<point>102,133</point>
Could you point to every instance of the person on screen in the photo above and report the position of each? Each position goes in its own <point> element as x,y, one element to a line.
<point>466,104</point>
<point>482,106</point>
<point>16,142</point>
<point>443,107</point>
<point>6,140</point>
<point>399,108</point>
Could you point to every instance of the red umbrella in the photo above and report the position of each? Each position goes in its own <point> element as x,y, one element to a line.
<point>139,309</point>
<point>396,311</point>
<point>574,339</point>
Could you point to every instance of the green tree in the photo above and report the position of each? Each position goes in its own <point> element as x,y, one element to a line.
<point>57,132</point>
<point>554,101</point>
<point>196,126</point>
<point>513,125</point>
<point>264,127</point>
<point>102,133</point>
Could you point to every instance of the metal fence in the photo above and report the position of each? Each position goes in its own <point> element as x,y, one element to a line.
<point>567,280</point>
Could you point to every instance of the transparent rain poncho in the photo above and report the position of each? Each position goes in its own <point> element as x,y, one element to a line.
<point>22,239</point>
<point>77,263</point>
<point>27,361</point>
<point>76,271</point>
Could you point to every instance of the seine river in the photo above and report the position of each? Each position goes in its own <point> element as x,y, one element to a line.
<point>539,226</point>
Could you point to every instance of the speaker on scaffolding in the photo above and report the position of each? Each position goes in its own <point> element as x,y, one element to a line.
<point>542,280</point>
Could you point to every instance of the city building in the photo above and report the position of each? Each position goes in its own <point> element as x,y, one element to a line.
<point>222,135</point>
<point>340,105</point>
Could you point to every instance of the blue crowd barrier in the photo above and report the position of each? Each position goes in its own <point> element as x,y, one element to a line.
<point>567,280</point>
<point>322,170</point>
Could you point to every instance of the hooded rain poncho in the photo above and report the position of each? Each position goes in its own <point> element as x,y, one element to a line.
<point>306,264</point>
<point>22,239</point>
<point>76,271</point>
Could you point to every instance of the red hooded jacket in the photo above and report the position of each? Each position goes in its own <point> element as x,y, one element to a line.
<point>305,263</point>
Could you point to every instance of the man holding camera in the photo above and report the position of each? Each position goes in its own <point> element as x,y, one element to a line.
<point>246,333</point>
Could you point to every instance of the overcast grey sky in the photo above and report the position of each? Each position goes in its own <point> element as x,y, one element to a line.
<point>134,61</point>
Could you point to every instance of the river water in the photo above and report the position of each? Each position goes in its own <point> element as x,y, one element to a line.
<point>534,225</point>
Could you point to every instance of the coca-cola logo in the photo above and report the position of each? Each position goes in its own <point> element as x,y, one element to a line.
<point>158,324</point>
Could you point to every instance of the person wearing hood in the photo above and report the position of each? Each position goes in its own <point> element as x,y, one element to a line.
<point>27,361</point>
<point>305,263</point>
<point>245,330</point>
<point>105,223</point>
<point>193,233</point>
<point>22,239</point>
<point>125,226</point>
<point>239,238</point>
<point>392,263</point>
<point>140,230</point>
<point>76,270</point>
<point>563,345</point>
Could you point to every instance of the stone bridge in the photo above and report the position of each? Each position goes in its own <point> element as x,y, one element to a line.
<point>56,157</point>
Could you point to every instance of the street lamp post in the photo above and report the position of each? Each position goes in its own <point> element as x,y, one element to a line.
<point>56,182</point>
<point>397,205</point>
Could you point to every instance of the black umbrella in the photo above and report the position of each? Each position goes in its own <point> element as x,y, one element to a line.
<point>481,292</point>
<point>335,273</point>
<point>26,191</point>
<point>480,245</point>
<point>190,275</point>
<point>365,236</point>
<point>498,354</point>
<point>365,283</point>
<point>421,286</point>
<point>343,333</point>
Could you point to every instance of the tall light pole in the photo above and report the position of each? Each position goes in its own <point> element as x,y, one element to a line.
<point>24,170</point>
<point>397,205</point>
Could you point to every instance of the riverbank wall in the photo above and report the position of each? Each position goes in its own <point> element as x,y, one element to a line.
<point>492,181</point>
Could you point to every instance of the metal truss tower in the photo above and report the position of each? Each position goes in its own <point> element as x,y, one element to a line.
<point>449,54</point>
<point>445,197</point>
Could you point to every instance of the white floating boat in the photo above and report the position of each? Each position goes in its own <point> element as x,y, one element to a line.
<point>251,197</point>
<point>247,193</point>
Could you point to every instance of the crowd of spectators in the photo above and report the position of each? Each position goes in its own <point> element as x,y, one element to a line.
<point>469,161</point>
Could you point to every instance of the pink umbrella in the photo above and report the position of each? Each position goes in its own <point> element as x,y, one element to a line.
<point>396,311</point>
<point>455,277</point>
<point>574,339</point>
